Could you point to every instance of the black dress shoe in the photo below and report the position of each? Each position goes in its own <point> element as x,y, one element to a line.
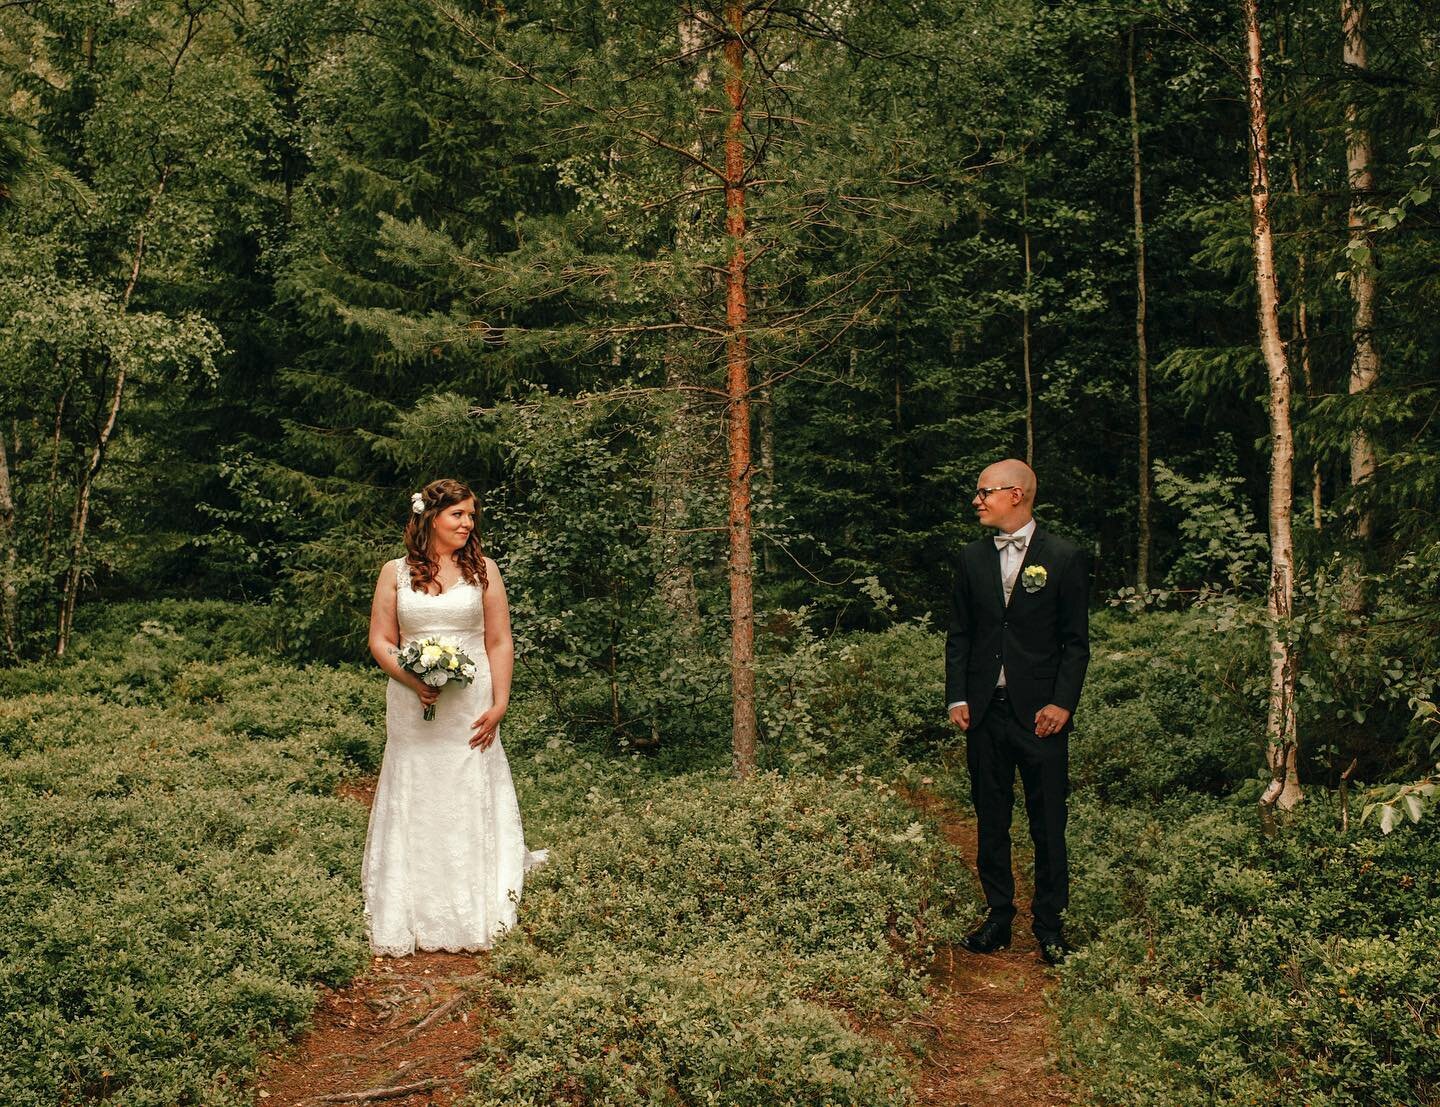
<point>1054,951</point>
<point>990,937</point>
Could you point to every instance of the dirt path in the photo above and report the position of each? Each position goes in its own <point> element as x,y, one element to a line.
<point>401,1034</point>
<point>992,1037</point>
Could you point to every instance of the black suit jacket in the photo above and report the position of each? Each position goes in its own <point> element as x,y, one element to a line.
<point>1042,638</point>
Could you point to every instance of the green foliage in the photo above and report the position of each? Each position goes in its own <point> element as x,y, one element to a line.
<point>712,1028</point>
<point>591,564</point>
<point>873,700</point>
<point>694,934</point>
<point>176,871</point>
<point>1168,706</point>
<point>1391,804</point>
<point>1226,967</point>
<point>1220,539</point>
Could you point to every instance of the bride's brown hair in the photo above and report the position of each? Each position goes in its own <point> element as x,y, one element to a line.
<point>434,498</point>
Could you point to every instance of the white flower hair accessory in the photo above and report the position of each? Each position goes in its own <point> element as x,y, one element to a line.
<point>417,503</point>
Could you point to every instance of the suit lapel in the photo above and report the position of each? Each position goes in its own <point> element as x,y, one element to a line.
<point>1037,539</point>
<point>990,557</point>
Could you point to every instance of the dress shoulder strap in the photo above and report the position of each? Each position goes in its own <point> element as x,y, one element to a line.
<point>402,574</point>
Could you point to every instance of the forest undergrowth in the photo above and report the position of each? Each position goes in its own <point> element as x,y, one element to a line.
<point>180,874</point>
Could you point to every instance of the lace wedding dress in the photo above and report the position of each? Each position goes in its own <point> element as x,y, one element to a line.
<point>445,854</point>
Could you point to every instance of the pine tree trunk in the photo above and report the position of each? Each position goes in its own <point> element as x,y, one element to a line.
<point>1365,360</point>
<point>1281,734</point>
<point>737,363</point>
<point>1142,353</point>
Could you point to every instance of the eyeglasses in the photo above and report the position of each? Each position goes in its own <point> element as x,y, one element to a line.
<point>982,494</point>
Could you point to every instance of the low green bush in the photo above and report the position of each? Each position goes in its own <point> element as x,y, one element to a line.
<point>700,940</point>
<point>1157,715</point>
<point>840,883</point>
<point>1224,967</point>
<point>872,700</point>
<point>174,882</point>
<point>717,1028</point>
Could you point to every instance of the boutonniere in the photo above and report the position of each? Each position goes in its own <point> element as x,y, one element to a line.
<point>1034,578</point>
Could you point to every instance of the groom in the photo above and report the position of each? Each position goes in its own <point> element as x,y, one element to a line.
<point>1015,659</point>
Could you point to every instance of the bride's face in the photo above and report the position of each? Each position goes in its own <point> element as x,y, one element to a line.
<point>452,526</point>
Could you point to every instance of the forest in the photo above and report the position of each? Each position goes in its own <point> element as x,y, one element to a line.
<point>722,307</point>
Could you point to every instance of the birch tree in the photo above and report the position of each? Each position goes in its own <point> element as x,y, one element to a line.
<point>1281,735</point>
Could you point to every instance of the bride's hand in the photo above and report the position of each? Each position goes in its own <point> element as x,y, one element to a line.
<point>427,694</point>
<point>486,727</point>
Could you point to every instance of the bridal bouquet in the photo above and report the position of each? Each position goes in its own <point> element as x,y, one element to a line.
<point>436,662</point>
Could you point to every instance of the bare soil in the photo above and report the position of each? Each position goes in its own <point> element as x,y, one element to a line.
<point>991,1032</point>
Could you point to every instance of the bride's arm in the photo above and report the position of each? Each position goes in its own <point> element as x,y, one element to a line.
<point>385,636</point>
<point>500,649</point>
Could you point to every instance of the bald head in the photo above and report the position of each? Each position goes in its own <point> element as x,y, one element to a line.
<point>1011,471</point>
<point>1011,504</point>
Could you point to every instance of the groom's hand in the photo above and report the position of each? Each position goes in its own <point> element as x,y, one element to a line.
<point>1050,720</point>
<point>960,715</point>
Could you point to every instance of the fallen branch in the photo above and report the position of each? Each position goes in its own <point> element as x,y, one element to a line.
<point>448,1007</point>
<point>374,1095</point>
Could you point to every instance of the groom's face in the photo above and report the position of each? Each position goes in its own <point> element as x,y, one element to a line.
<point>997,505</point>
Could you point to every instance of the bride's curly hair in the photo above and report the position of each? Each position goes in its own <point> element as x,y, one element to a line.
<point>434,498</point>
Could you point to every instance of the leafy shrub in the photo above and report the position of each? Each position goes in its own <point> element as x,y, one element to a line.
<point>713,1028</point>
<point>172,885</point>
<point>865,699</point>
<point>839,883</point>
<point>589,571</point>
<point>1157,717</point>
<point>1226,967</point>
<point>694,938</point>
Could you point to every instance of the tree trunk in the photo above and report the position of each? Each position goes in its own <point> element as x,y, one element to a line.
<point>53,486</point>
<point>1142,353</point>
<point>1302,315</point>
<point>737,364</point>
<point>81,517</point>
<point>1280,732</point>
<point>1307,369</point>
<point>1365,361</point>
<point>1025,323</point>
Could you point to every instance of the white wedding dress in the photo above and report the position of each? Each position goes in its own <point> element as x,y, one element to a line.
<point>445,854</point>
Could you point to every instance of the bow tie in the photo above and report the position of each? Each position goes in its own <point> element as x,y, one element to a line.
<point>1003,540</point>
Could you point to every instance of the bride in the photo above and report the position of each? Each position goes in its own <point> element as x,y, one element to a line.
<point>445,854</point>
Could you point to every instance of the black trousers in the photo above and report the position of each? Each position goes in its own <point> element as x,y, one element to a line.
<point>998,745</point>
